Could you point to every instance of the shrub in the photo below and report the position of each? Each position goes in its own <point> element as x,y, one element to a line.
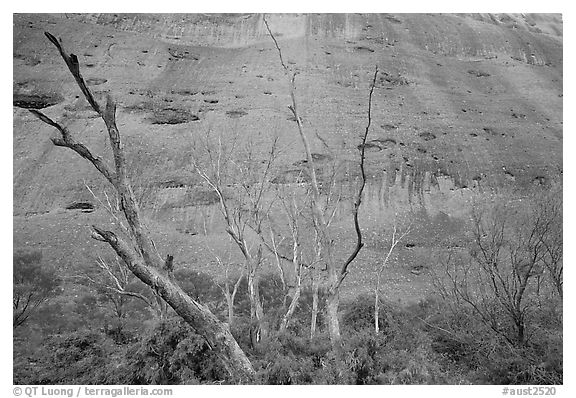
<point>171,353</point>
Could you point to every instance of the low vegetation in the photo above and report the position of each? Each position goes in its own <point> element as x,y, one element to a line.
<point>456,336</point>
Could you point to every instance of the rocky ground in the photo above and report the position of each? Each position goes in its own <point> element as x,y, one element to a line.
<point>465,106</point>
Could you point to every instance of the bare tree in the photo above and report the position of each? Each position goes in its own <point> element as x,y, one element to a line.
<point>293,211</point>
<point>397,237</point>
<point>336,273</point>
<point>244,211</point>
<point>228,290</point>
<point>33,286</point>
<point>136,248</point>
<point>116,286</point>
<point>498,277</point>
<point>548,206</point>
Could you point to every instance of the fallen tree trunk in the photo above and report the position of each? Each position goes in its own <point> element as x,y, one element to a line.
<point>139,252</point>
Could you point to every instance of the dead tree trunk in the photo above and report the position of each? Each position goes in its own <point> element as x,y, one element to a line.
<point>314,317</point>
<point>336,273</point>
<point>237,219</point>
<point>138,253</point>
<point>395,240</point>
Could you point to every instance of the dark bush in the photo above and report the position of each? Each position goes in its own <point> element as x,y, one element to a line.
<point>170,352</point>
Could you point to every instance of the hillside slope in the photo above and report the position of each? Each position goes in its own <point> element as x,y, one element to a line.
<point>465,105</point>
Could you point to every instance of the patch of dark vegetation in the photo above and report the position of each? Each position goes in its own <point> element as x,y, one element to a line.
<point>478,73</point>
<point>36,101</point>
<point>427,136</point>
<point>86,207</point>
<point>95,81</point>
<point>236,113</point>
<point>179,53</point>
<point>421,149</point>
<point>363,49</point>
<point>172,116</point>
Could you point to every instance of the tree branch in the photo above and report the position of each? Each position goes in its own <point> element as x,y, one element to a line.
<point>74,67</point>
<point>69,142</point>
<point>358,199</point>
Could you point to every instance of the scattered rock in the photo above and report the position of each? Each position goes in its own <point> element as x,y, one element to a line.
<point>176,182</point>
<point>86,207</point>
<point>392,19</point>
<point>316,158</point>
<point>182,54</point>
<point>234,114</point>
<point>394,80</point>
<point>95,81</point>
<point>28,60</point>
<point>478,73</point>
<point>184,92</point>
<point>384,143</point>
<point>36,101</point>
<point>389,127</point>
<point>426,136</point>
<point>369,146</point>
<point>363,49</point>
